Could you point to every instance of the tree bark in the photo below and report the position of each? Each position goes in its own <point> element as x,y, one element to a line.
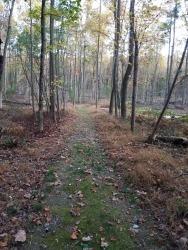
<point>135,77</point>
<point>97,63</point>
<point>172,56</point>
<point>3,58</point>
<point>31,61</point>
<point>117,6</point>
<point>51,66</point>
<point>42,60</point>
<point>125,82</point>
<point>168,59</point>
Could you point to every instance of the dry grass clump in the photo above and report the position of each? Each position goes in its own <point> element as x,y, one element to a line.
<point>150,168</point>
<point>146,177</point>
<point>185,130</point>
<point>177,209</point>
<point>16,130</point>
<point>146,166</point>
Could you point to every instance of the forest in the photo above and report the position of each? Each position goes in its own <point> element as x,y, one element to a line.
<point>94,124</point>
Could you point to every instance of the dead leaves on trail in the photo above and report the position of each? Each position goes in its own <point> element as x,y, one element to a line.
<point>22,171</point>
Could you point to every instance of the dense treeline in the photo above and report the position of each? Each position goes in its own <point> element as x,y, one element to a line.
<point>58,51</point>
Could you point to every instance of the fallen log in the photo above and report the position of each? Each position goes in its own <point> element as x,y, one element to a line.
<point>16,102</point>
<point>178,141</point>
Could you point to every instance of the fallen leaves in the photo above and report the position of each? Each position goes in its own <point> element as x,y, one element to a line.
<point>149,168</point>
<point>79,194</point>
<point>4,240</point>
<point>23,171</point>
<point>74,236</point>
<point>75,212</point>
<point>75,233</point>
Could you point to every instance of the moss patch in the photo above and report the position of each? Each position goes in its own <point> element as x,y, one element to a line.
<point>97,218</point>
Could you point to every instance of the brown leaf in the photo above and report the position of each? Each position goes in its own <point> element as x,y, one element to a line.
<point>3,240</point>
<point>74,236</point>
<point>75,212</point>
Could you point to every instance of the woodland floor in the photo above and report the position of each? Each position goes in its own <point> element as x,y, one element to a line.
<point>84,200</point>
<point>90,200</point>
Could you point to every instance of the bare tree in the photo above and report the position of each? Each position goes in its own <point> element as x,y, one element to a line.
<point>51,63</point>
<point>3,58</point>
<point>114,93</point>
<point>151,137</point>
<point>135,76</point>
<point>42,59</point>
<point>130,62</point>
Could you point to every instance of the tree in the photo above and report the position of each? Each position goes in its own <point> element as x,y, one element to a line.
<point>31,60</point>
<point>51,63</point>
<point>97,58</point>
<point>125,81</point>
<point>174,16</point>
<point>3,58</point>
<point>42,59</point>
<point>135,76</point>
<point>151,137</point>
<point>114,93</point>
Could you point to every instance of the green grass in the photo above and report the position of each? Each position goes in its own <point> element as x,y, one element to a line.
<point>152,112</point>
<point>97,213</point>
<point>94,215</point>
<point>184,118</point>
<point>37,207</point>
<point>50,176</point>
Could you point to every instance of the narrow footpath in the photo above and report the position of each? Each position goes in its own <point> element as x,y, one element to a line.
<point>87,210</point>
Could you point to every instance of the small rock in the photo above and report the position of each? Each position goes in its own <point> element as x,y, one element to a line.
<point>27,196</point>
<point>104,244</point>
<point>134,231</point>
<point>185,222</point>
<point>135,226</point>
<point>183,243</point>
<point>20,236</point>
<point>47,227</point>
<point>86,238</point>
<point>80,194</point>
<point>88,171</point>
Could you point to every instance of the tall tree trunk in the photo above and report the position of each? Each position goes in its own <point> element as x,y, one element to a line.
<point>75,71</point>
<point>42,60</point>
<point>172,56</point>
<point>151,137</point>
<point>57,70</point>
<point>51,66</point>
<point>31,61</point>
<point>185,83</point>
<point>153,79</point>
<point>97,62</point>
<point>117,6</point>
<point>3,58</point>
<point>135,76</point>
<point>83,72</point>
<point>125,82</point>
<point>168,59</point>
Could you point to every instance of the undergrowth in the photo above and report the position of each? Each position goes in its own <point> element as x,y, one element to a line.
<point>150,168</point>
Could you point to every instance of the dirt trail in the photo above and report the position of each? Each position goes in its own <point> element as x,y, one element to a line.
<point>86,203</point>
